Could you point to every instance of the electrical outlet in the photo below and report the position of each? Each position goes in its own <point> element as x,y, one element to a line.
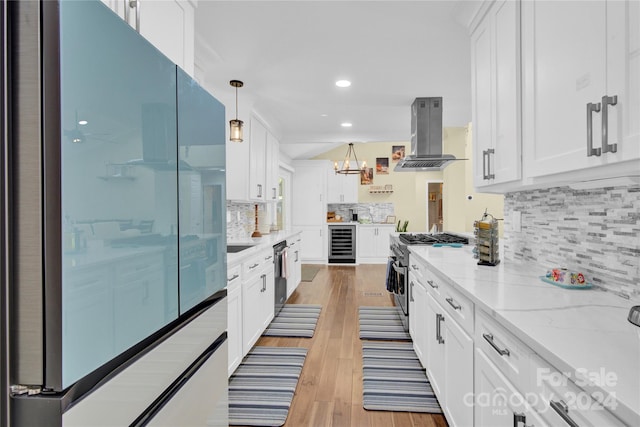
<point>516,221</point>
<point>228,216</point>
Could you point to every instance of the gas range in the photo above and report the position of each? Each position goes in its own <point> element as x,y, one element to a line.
<point>400,243</point>
<point>430,239</point>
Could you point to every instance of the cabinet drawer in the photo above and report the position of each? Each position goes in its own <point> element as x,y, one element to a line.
<point>416,268</point>
<point>458,306</point>
<point>256,264</point>
<point>561,401</point>
<point>507,352</point>
<point>233,274</point>
<point>433,284</point>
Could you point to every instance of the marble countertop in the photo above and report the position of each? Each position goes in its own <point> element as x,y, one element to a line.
<point>582,332</point>
<point>258,244</point>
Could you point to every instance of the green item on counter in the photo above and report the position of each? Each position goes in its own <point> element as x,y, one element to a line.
<point>403,228</point>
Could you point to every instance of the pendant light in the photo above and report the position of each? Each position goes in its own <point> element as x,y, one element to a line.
<point>346,168</point>
<point>235,126</point>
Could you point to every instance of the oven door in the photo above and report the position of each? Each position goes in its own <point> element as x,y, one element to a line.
<point>400,275</point>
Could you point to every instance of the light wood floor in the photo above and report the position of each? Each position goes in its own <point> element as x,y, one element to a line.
<point>329,392</point>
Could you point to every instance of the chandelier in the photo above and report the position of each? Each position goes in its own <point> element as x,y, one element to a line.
<point>347,163</point>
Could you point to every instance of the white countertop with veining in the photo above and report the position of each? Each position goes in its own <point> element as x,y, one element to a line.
<point>576,331</point>
<point>259,243</point>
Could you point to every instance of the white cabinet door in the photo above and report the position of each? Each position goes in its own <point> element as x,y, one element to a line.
<point>382,244</point>
<point>496,402</point>
<point>623,78</point>
<point>458,373</point>
<point>267,307</point>
<point>308,193</point>
<point>234,324</point>
<point>564,69</point>
<point>413,313</point>
<point>367,242</point>
<point>257,165</point>
<point>252,320</point>
<point>496,89</point>
<point>293,265</point>
<point>272,168</point>
<point>435,346</point>
<point>342,188</point>
<point>314,243</point>
<point>420,320</point>
<point>168,25</point>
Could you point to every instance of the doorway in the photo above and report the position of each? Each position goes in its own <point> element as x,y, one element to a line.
<point>434,206</point>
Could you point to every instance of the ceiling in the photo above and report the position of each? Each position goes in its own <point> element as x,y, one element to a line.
<point>290,54</point>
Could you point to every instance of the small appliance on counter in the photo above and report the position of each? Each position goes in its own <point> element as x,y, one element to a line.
<point>487,247</point>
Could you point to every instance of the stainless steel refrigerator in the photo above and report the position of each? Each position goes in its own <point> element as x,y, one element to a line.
<point>114,307</point>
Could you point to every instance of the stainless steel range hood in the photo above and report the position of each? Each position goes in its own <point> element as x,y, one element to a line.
<point>426,138</point>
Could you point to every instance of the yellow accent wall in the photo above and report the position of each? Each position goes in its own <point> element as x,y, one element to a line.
<point>410,188</point>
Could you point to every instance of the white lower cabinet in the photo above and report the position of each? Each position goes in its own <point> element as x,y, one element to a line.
<point>418,317</point>
<point>561,402</point>
<point>313,247</point>
<point>373,242</point>
<point>258,289</point>
<point>458,373</point>
<point>496,401</point>
<point>435,349</point>
<point>234,317</point>
<point>294,266</point>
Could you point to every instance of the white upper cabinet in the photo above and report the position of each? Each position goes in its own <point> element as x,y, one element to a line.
<point>342,188</point>
<point>167,24</point>
<point>257,161</point>
<point>272,168</point>
<point>581,75</point>
<point>495,59</point>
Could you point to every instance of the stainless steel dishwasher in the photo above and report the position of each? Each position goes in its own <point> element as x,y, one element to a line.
<point>280,268</point>
<point>342,244</point>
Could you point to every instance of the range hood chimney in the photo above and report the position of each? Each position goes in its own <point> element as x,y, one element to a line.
<point>426,138</point>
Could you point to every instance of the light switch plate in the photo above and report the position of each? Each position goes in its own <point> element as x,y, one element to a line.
<point>516,221</point>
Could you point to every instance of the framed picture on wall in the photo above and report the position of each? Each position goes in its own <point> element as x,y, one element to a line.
<point>366,176</point>
<point>382,165</point>
<point>397,152</point>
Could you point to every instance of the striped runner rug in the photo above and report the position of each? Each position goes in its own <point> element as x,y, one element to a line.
<point>394,380</point>
<point>262,388</point>
<point>294,320</point>
<point>381,323</point>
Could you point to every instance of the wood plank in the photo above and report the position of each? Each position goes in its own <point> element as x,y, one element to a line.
<point>329,392</point>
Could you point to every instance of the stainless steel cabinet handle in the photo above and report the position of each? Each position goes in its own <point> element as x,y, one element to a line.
<point>591,107</point>
<point>433,285</point>
<point>267,258</point>
<point>253,266</point>
<point>297,256</point>
<point>132,4</point>
<point>606,101</point>
<point>439,318</point>
<point>501,352</point>
<point>274,193</point>
<point>453,304</point>
<point>562,410</point>
<point>484,164</point>
<point>259,190</point>
<point>411,292</point>
<point>490,151</point>
<point>232,278</point>
<point>264,283</point>
<point>415,267</point>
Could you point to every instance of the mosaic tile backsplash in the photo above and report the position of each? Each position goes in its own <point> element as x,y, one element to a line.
<point>376,212</point>
<point>242,220</point>
<point>595,231</point>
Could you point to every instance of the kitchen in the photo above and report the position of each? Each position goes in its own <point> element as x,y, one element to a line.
<point>561,207</point>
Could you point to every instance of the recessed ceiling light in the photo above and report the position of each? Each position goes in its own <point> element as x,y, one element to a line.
<point>343,83</point>
<point>82,122</point>
<point>324,115</point>
<point>346,125</point>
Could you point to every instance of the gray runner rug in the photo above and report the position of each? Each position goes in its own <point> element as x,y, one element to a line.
<point>381,323</point>
<point>262,388</point>
<point>394,380</point>
<point>294,320</point>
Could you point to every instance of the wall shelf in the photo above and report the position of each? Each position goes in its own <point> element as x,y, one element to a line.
<point>380,191</point>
